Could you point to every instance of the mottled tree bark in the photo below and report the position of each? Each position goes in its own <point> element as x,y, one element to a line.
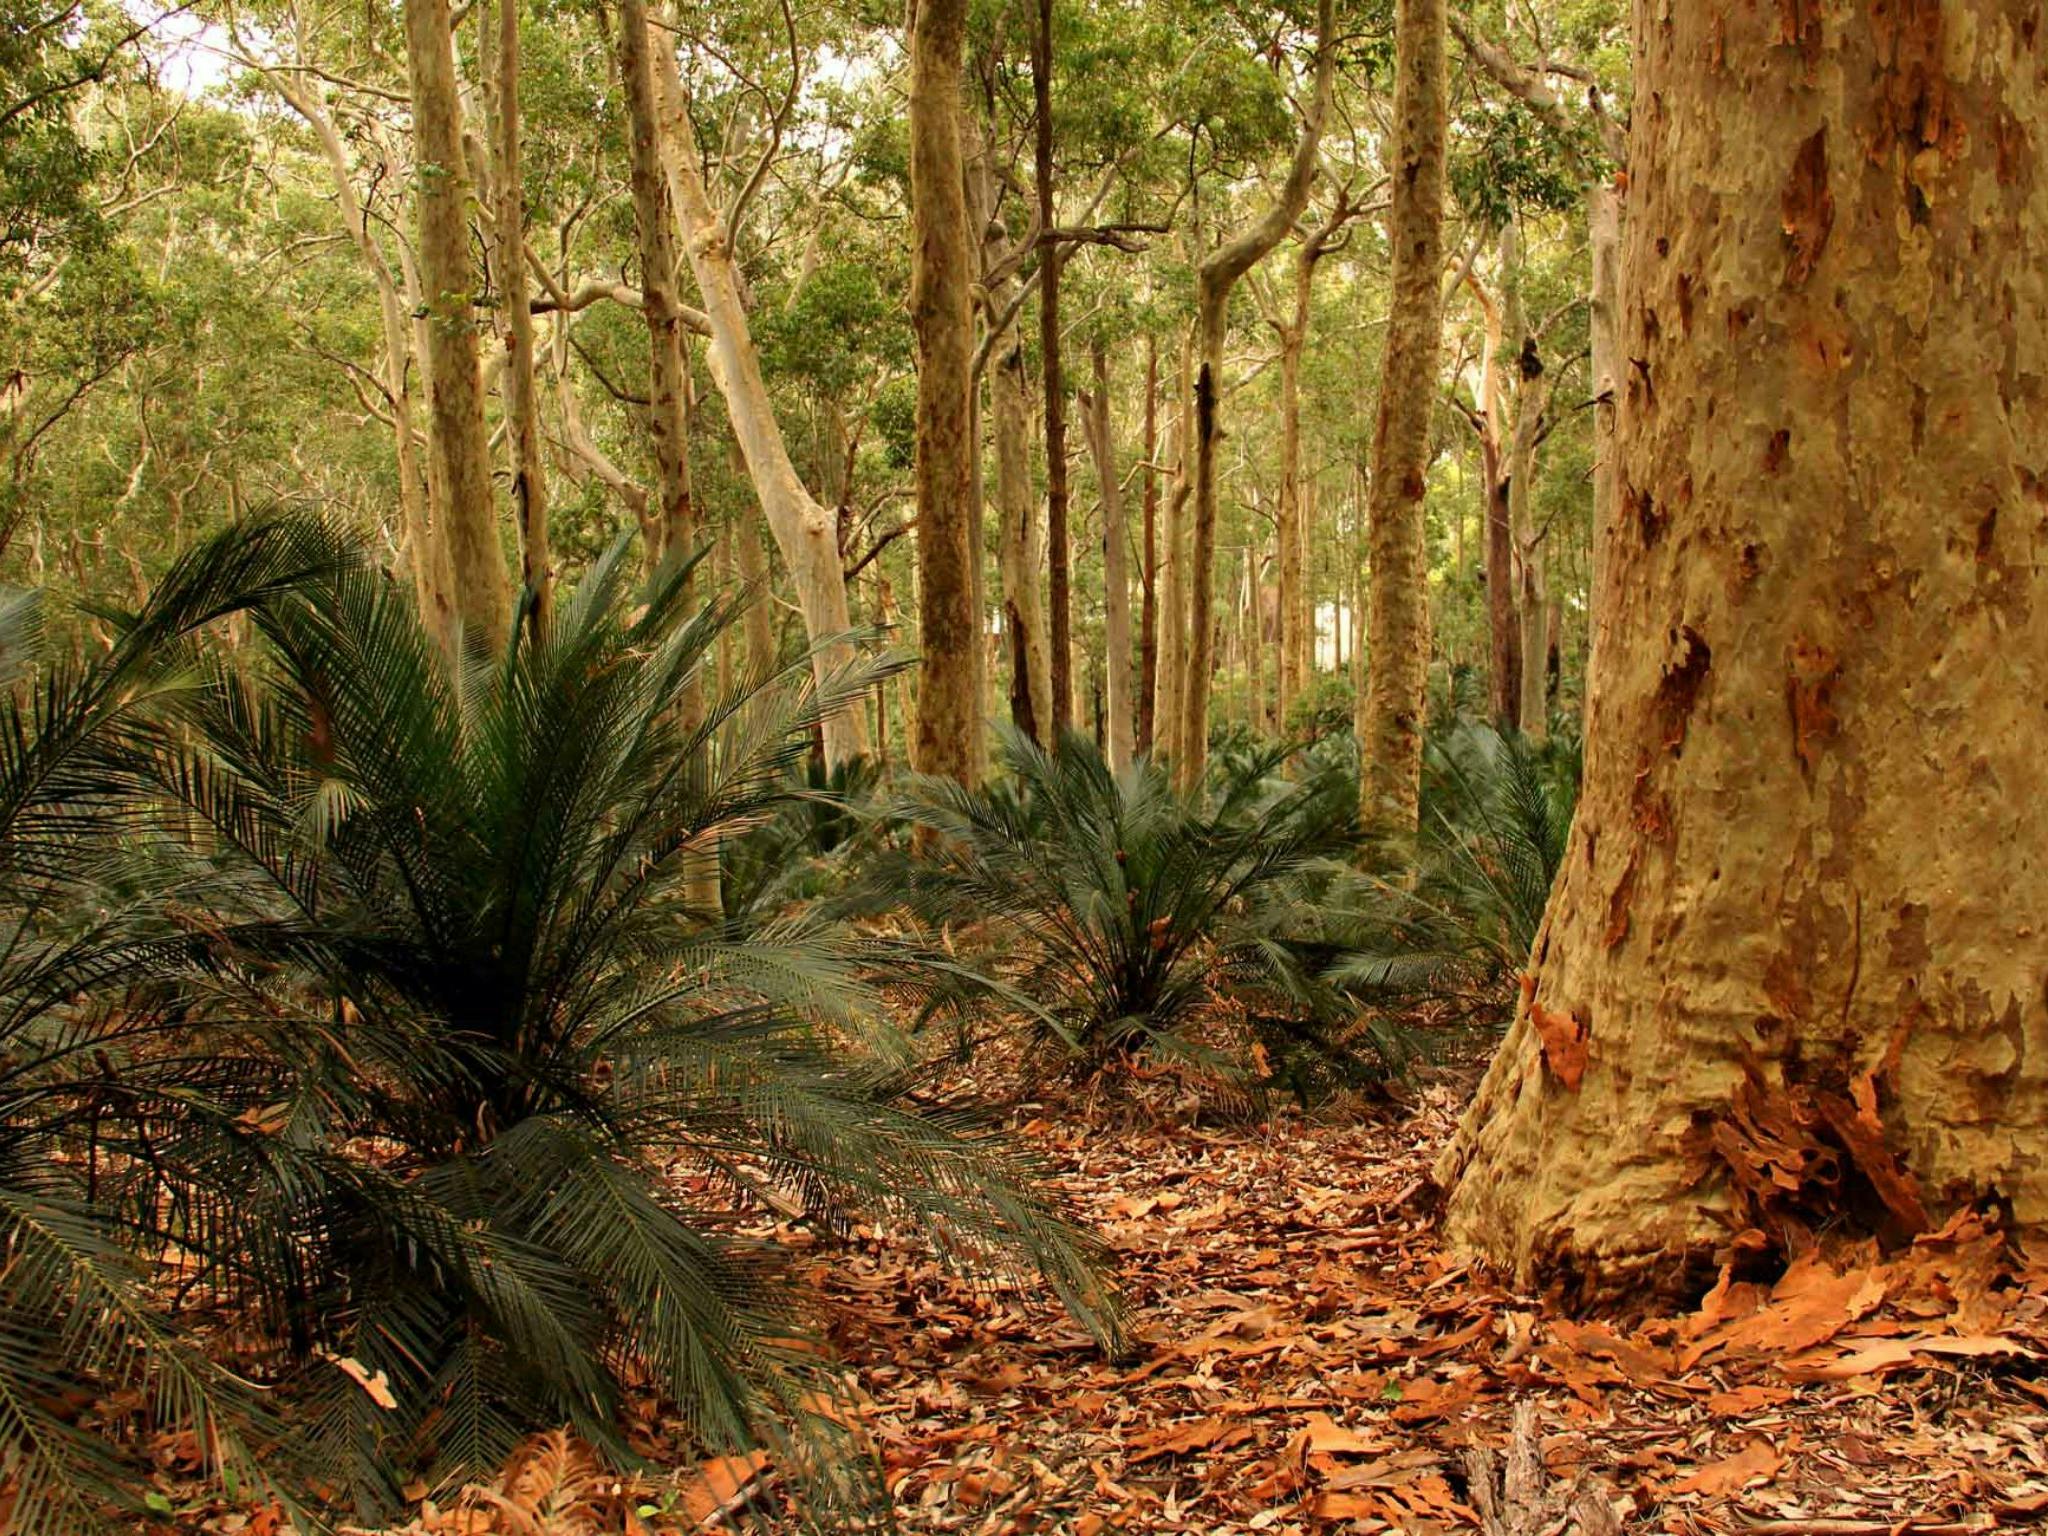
<point>456,439</point>
<point>1804,865</point>
<point>948,725</point>
<point>1390,722</point>
<point>521,388</point>
<point>673,524</point>
<point>1218,273</point>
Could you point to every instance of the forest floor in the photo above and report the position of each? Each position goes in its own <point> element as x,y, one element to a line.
<point>1311,1360</point>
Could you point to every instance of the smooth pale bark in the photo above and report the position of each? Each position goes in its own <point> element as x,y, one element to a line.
<point>1120,726</point>
<point>1531,598</point>
<point>1804,867</point>
<point>948,721</point>
<point>1218,273</point>
<point>521,388</point>
<point>1148,613</point>
<point>806,532</point>
<point>1059,574</point>
<point>763,654</point>
<point>456,438</point>
<point>1390,721</point>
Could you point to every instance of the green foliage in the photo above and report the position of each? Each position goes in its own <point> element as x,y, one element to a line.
<point>113,1118</point>
<point>531,1083</point>
<point>1457,928</point>
<point>1117,906</point>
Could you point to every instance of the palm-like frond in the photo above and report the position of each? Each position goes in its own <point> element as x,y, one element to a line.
<point>536,1081</point>
<point>98,1100</point>
<point>1118,900</point>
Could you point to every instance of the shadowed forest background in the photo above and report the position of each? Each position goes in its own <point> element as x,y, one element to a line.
<point>1054,765</point>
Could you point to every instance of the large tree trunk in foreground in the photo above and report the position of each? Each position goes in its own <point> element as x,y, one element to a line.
<point>948,726</point>
<point>1218,273</point>
<point>1803,875</point>
<point>1116,579</point>
<point>805,530</point>
<point>1397,637</point>
<point>521,390</point>
<point>456,439</point>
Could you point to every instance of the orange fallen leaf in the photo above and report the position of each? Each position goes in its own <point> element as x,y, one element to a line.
<point>1718,1478</point>
<point>721,1486</point>
<point>1889,1354</point>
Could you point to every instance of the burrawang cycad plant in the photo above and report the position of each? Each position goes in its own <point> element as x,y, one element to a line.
<point>116,1117</point>
<point>1114,906</point>
<point>536,1079</point>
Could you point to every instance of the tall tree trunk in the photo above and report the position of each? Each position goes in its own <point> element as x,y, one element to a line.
<point>673,526</point>
<point>1148,614</point>
<point>1390,725</point>
<point>1020,550</point>
<point>1289,673</point>
<point>522,392</point>
<point>456,438</point>
<point>1168,688</point>
<point>948,722</point>
<point>1492,424</point>
<point>1218,273</point>
<point>806,532</point>
<point>669,531</point>
<point>1531,599</point>
<point>1059,576</point>
<point>1116,579</point>
<point>1810,825</point>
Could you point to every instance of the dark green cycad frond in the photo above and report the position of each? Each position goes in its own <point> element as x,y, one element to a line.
<point>1115,895</point>
<point>506,866</point>
<point>99,1092</point>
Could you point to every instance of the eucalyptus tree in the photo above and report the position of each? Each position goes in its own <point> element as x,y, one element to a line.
<point>1390,717</point>
<point>1808,833</point>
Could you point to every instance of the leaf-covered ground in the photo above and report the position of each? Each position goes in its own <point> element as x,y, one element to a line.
<point>1311,1360</point>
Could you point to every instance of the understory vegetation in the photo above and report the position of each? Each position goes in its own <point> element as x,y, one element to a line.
<point>365,1014</point>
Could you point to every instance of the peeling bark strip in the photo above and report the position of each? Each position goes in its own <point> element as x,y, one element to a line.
<point>1808,207</point>
<point>1807,858</point>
